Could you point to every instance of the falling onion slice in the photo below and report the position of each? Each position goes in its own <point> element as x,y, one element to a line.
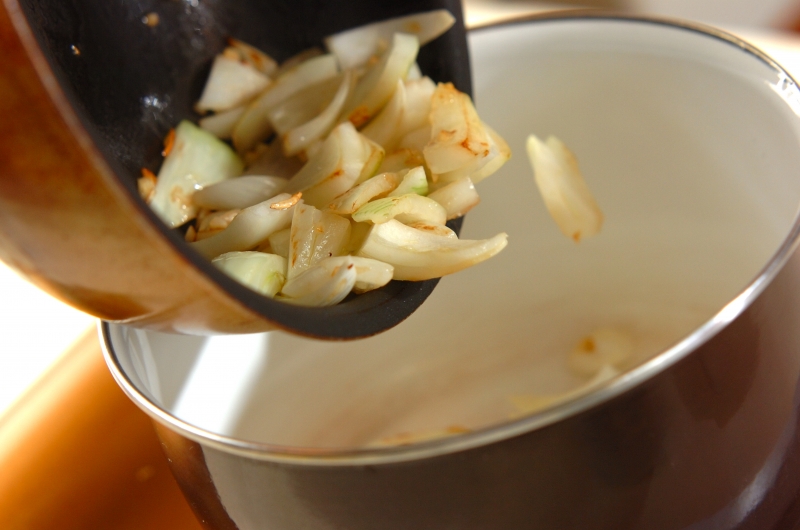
<point>419,255</point>
<point>565,193</point>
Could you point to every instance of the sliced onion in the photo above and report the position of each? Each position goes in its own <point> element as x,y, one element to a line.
<point>296,59</point>
<point>386,124</point>
<point>414,72</point>
<point>414,181</point>
<point>239,192</point>
<point>371,274</point>
<point>250,228</point>
<point>458,140</point>
<point>457,198</point>
<point>269,160</point>
<point>230,84</point>
<point>417,110</point>
<point>222,123</point>
<point>304,105</point>
<point>344,159</point>
<point>254,57</point>
<point>325,284</point>
<point>356,197</point>
<point>197,159</point>
<point>209,223</point>
<point>416,140</point>
<point>400,160</point>
<point>254,124</point>
<point>375,89</point>
<point>304,135</point>
<point>438,230</point>
<point>279,242</point>
<point>419,255</point>
<point>315,235</point>
<point>409,208</point>
<point>261,272</point>
<point>565,193</point>
<point>503,155</point>
<point>355,47</point>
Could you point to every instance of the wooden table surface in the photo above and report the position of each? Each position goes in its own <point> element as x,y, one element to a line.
<point>76,453</point>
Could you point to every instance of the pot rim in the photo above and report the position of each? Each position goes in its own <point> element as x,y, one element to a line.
<point>321,457</point>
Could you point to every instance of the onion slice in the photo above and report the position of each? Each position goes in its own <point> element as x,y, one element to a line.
<point>301,137</point>
<point>386,124</point>
<point>356,197</point>
<point>459,144</point>
<point>197,159</point>
<point>345,159</point>
<point>355,47</point>
<point>239,192</point>
<point>409,208</point>
<point>565,193</point>
<point>420,255</point>
<point>254,57</point>
<point>498,161</point>
<point>269,160</point>
<point>315,235</point>
<point>414,181</point>
<point>250,228</point>
<point>457,198</point>
<point>261,272</point>
<point>222,123</point>
<point>230,84</point>
<point>304,105</point>
<point>375,89</point>
<point>325,284</point>
<point>254,124</point>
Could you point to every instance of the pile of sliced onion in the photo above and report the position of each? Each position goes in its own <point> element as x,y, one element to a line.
<point>333,172</point>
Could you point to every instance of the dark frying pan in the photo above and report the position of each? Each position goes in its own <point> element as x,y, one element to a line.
<point>87,93</point>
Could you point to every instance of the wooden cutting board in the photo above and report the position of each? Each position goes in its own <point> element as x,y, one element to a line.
<point>76,453</point>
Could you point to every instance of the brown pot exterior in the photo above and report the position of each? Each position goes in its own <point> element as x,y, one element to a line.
<point>711,442</point>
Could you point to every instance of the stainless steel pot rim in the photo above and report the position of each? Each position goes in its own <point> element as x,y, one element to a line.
<point>621,384</point>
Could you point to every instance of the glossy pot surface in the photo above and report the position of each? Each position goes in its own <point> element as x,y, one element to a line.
<point>690,140</point>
